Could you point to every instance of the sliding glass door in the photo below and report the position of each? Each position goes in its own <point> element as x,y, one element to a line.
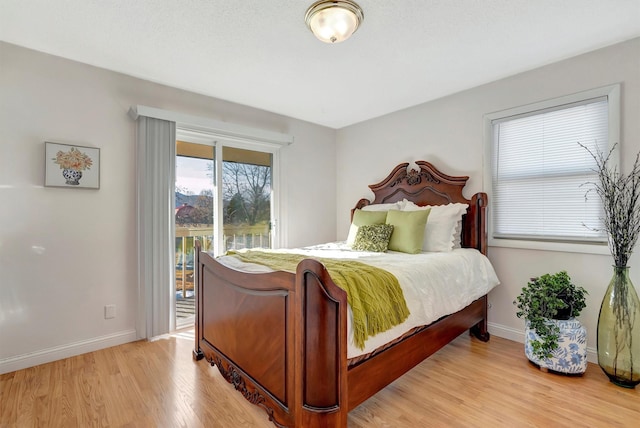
<point>194,204</point>
<point>237,214</point>
<point>246,198</point>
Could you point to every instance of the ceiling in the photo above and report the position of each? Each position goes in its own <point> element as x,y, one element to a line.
<point>259,52</point>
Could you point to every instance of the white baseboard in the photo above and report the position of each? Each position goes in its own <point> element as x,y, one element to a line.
<point>19,362</point>
<point>518,336</point>
<point>506,332</point>
<point>65,351</point>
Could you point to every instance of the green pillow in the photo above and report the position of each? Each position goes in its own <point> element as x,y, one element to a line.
<point>374,237</point>
<point>364,218</point>
<point>408,230</point>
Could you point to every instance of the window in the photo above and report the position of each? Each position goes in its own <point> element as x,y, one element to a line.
<point>538,169</point>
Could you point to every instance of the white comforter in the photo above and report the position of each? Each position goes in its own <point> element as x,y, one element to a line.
<point>434,284</point>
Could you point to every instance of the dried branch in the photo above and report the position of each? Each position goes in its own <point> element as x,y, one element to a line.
<point>620,196</point>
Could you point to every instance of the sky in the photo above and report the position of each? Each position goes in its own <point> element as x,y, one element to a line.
<point>192,174</point>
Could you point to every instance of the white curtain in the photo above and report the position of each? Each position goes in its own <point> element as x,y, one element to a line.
<point>156,153</point>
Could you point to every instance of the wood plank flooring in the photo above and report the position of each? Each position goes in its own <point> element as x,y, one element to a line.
<point>157,384</point>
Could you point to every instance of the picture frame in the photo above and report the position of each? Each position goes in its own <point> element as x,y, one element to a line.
<point>71,166</point>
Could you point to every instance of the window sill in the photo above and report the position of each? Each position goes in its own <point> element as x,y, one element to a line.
<point>565,247</point>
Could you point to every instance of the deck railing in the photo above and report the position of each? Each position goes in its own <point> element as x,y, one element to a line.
<point>235,237</point>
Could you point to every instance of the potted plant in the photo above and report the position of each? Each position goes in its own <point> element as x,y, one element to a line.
<point>549,304</point>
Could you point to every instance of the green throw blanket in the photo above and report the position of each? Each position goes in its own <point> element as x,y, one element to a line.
<point>375,296</point>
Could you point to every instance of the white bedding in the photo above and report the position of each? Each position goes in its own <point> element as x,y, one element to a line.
<point>434,284</point>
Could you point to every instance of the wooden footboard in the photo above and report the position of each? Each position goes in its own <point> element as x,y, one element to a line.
<point>279,338</point>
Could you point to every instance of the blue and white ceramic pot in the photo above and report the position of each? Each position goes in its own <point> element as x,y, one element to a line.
<point>570,356</point>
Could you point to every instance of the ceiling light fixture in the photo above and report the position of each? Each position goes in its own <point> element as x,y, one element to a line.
<point>333,21</point>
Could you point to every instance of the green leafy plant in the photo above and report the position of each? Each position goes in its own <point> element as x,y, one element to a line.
<point>549,297</point>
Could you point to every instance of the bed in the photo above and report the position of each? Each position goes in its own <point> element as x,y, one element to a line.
<point>281,339</point>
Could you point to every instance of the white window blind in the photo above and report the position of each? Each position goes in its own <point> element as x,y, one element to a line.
<point>538,172</point>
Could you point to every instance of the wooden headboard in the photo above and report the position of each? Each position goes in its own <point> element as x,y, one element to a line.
<point>429,186</point>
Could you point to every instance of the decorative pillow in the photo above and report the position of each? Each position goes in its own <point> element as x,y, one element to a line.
<point>440,232</point>
<point>408,230</point>
<point>364,218</point>
<point>374,237</point>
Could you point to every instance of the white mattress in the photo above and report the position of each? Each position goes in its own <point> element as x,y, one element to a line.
<point>434,284</point>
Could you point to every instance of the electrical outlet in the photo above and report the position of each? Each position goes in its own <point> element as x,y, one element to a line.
<point>109,312</point>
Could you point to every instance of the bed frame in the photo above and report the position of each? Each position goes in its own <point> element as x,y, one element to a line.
<point>281,338</point>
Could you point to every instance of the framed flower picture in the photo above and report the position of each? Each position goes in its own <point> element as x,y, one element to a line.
<point>72,166</point>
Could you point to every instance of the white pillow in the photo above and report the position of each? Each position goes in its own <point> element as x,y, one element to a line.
<point>383,207</point>
<point>457,235</point>
<point>440,233</point>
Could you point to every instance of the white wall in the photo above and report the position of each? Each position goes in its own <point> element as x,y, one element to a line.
<point>65,253</point>
<point>449,133</point>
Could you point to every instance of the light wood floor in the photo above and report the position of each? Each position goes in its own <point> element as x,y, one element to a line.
<point>157,384</point>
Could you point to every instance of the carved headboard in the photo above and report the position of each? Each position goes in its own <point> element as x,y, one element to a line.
<point>429,186</point>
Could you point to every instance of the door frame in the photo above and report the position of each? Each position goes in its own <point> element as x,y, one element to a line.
<point>210,138</point>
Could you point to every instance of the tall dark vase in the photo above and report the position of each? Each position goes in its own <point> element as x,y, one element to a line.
<point>619,331</point>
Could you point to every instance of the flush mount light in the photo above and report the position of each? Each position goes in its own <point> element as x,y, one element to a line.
<point>333,21</point>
